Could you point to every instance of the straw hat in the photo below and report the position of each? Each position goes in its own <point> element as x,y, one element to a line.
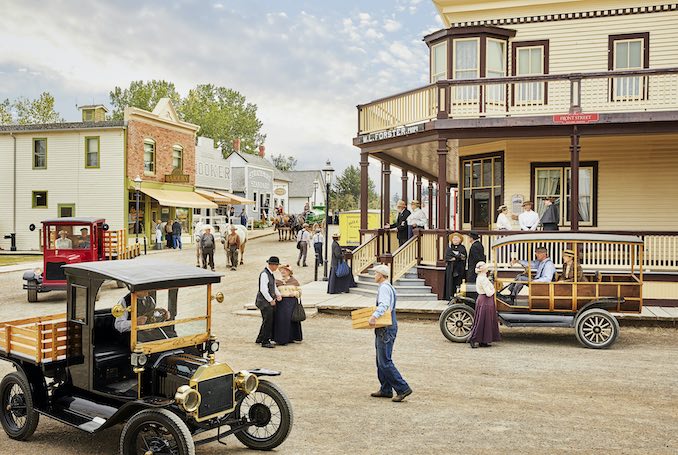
<point>401,204</point>
<point>415,203</point>
<point>568,253</point>
<point>502,208</point>
<point>482,267</point>
<point>336,235</point>
<point>63,232</point>
<point>206,227</point>
<point>456,234</point>
<point>286,266</point>
<point>527,204</point>
<point>382,270</point>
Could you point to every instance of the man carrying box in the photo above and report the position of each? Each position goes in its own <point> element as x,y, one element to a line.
<point>388,374</point>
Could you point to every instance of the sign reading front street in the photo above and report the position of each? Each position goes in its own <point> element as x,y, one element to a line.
<point>575,119</point>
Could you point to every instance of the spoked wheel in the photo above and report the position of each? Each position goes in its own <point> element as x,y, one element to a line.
<point>270,412</point>
<point>18,416</point>
<point>156,432</point>
<point>456,322</point>
<point>597,329</point>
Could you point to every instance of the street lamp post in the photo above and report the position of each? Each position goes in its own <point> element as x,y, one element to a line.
<point>137,187</point>
<point>328,172</point>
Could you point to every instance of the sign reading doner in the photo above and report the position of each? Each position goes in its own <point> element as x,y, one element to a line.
<point>389,134</point>
<point>574,119</point>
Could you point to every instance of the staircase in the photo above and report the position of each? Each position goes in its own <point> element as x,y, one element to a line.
<point>409,287</point>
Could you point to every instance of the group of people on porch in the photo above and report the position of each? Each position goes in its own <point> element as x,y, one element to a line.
<point>406,220</point>
<point>529,220</point>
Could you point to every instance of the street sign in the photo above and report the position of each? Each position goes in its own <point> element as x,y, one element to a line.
<point>574,119</point>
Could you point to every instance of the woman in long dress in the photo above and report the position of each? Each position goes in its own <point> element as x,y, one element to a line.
<point>335,284</point>
<point>284,329</point>
<point>485,327</point>
<point>455,268</point>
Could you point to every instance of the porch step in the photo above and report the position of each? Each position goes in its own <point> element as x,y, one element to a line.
<point>367,278</point>
<point>410,274</point>
<point>421,297</point>
<point>400,289</point>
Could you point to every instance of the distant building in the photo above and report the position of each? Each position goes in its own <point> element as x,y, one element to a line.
<point>307,188</point>
<point>252,178</point>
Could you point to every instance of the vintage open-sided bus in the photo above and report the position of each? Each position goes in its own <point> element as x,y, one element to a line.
<point>612,281</point>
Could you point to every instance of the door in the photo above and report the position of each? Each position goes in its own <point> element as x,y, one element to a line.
<point>481,209</point>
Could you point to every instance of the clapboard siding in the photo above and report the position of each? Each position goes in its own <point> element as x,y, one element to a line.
<point>95,192</point>
<point>636,175</point>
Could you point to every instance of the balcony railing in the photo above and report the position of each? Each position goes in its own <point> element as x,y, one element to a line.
<point>515,96</point>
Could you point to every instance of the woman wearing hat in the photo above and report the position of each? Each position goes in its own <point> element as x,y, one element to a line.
<point>335,284</point>
<point>571,269</point>
<point>417,218</point>
<point>63,242</point>
<point>455,268</point>
<point>284,329</point>
<point>485,328</point>
<point>503,220</point>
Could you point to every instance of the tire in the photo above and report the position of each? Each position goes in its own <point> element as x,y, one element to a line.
<point>18,415</point>
<point>596,329</point>
<point>33,293</point>
<point>456,322</point>
<point>163,429</point>
<point>257,409</point>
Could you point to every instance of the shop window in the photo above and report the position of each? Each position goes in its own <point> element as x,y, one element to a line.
<point>181,214</point>
<point>39,199</point>
<point>530,59</point>
<point>177,157</point>
<point>149,156</point>
<point>438,62</point>
<point>482,189</point>
<point>629,52</point>
<point>40,153</point>
<point>554,181</point>
<point>92,152</point>
<point>66,210</point>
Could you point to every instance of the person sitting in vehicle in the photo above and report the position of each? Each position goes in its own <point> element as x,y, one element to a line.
<point>571,269</point>
<point>147,313</point>
<point>545,271</point>
<point>83,240</point>
<point>63,242</point>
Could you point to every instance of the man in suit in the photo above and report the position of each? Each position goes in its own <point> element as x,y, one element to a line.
<point>476,254</point>
<point>401,222</point>
<point>267,297</point>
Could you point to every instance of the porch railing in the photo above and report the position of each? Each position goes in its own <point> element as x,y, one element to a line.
<point>404,258</point>
<point>515,96</point>
<point>364,255</point>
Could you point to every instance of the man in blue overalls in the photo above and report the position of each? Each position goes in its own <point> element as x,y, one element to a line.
<point>388,374</point>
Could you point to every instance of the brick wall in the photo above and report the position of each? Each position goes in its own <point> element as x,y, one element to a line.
<point>165,139</point>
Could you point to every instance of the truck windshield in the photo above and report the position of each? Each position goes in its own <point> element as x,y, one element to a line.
<point>68,237</point>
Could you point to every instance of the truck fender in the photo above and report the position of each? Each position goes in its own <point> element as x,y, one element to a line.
<point>127,410</point>
<point>458,299</point>
<point>36,379</point>
<point>604,303</point>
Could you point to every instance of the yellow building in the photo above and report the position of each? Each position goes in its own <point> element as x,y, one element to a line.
<point>524,92</point>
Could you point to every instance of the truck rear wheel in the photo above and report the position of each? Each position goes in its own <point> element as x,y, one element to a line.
<point>18,416</point>
<point>597,329</point>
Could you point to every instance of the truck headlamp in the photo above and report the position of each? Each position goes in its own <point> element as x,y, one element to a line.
<point>138,359</point>
<point>187,398</point>
<point>212,346</point>
<point>246,381</point>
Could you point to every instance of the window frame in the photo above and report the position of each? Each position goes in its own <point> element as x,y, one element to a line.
<point>517,45</point>
<point>479,65</point>
<point>35,139</point>
<point>564,166</point>
<point>154,161</point>
<point>87,139</point>
<point>74,314</point>
<point>644,37</point>
<point>60,206</point>
<point>33,200</point>
<point>498,155</point>
<point>180,149</point>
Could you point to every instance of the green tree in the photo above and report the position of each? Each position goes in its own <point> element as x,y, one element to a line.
<point>284,163</point>
<point>143,95</point>
<point>39,110</point>
<point>223,115</point>
<point>6,112</point>
<point>346,192</point>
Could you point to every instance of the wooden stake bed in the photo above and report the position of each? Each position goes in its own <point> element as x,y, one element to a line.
<point>40,339</point>
<point>360,318</point>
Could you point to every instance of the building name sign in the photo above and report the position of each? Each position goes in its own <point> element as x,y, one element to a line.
<point>280,191</point>
<point>258,179</point>
<point>177,177</point>
<point>575,119</point>
<point>390,134</point>
<point>211,169</point>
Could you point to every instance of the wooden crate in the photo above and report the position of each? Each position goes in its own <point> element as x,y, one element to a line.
<point>360,318</point>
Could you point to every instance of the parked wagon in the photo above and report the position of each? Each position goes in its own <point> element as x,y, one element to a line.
<point>584,303</point>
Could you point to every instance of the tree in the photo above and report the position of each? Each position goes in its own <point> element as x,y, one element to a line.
<point>284,163</point>
<point>223,115</point>
<point>6,112</point>
<point>40,110</point>
<point>143,95</point>
<point>347,190</point>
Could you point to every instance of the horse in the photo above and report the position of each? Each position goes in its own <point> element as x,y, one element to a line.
<point>281,223</point>
<point>242,234</point>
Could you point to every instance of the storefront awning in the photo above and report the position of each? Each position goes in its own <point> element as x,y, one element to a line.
<point>235,200</point>
<point>179,198</point>
<point>214,197</point>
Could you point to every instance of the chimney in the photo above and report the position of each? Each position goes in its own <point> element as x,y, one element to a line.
<point>262,151</point>
<point>93,113</point>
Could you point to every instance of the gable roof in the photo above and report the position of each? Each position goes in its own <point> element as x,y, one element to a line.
<point>280,175</point>
<point>302,185</point>
<point>254,160</point>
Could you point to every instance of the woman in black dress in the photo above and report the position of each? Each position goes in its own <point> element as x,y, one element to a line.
<point>455,268</point>
<point>284,329</point>
<point>337,285</point>
<point>476,254</point>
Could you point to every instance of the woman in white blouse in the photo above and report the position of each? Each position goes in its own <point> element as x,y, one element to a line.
<point>503,219</point>
<point>485,328</point>
<point>417,218</point>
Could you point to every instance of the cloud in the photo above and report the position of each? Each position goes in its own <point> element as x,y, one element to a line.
<point>391,25</point>
<point>218,6</point>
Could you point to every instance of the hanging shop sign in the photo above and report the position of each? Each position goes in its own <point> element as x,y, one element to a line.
<point>389,134</point>
<point>280,191</point>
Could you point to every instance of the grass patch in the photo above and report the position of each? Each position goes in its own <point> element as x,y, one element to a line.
<point>8,259</point>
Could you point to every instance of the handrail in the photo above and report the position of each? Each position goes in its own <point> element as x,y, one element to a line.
<point>364,255</point>
<point>404,258</point>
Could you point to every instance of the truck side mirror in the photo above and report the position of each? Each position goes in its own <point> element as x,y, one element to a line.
<point>31,227</point>
<point>219,297</point>
<point>105,226</point>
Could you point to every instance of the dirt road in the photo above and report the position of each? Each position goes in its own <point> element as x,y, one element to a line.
<point>536,392</point>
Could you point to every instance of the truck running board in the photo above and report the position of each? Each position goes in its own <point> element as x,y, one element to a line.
<point>536,320</point>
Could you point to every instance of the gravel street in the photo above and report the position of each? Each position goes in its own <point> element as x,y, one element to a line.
<point>537,392</point>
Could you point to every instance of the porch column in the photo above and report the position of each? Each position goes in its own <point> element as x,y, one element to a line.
<point>448,191</point>
<point>442,183</point>
<point>403,179</point>
<point>430,204</point>
<point>418,192</point>
<point>385,193</point>
<point>574,180</point>
<point>364,197</point>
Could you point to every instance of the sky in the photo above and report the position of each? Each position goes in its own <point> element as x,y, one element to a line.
<point>306,64</point>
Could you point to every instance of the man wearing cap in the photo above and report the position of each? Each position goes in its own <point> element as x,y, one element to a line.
<point>551,216</point>
<point>267,296</point>
<point>389,376</point>
<point>545,271</point>
<point>303,239</point>
<point>207,247</point>
<point>232,246</point>
<point>529,219</point>
<point>401,222</point>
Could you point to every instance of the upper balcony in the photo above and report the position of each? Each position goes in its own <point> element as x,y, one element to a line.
<point>550,97</point>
